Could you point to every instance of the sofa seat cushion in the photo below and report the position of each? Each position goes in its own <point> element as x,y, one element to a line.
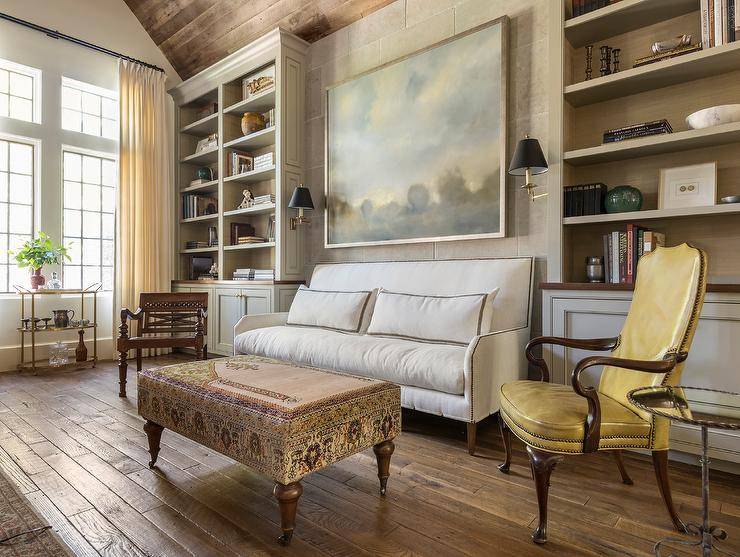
<point>553,417</point>
<point>438,367</point>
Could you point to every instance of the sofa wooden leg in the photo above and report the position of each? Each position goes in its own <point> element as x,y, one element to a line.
<point>154,435</point>
<point>383,452</point>
<point>138,359</point>
<point>472,435</point>
<point>542,465</point>
<point>506,438</point>
<point>287,496</point>
<point>622,470</point>
<point>122,370</point>
<point>660,463</point>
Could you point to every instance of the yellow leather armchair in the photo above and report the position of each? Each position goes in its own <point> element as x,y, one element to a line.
<point>556,420</point>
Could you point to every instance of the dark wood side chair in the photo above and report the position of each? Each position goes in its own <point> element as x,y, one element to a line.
<point>557,420</point>
<point>171,319</point>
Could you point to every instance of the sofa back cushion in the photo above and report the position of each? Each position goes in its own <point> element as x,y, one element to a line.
<point>341,311</point>
<point>442,319</point>
<point>449,277</point>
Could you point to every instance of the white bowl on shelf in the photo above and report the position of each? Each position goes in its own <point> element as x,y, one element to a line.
<point>714,116</point>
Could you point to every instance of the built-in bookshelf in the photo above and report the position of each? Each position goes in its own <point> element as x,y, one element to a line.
<point>213,102</point>
<point>669,89</point>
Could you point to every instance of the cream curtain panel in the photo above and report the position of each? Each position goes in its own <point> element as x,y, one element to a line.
<point>144,224</point>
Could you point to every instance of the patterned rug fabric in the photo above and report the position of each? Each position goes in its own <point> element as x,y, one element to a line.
<point>16,517</point>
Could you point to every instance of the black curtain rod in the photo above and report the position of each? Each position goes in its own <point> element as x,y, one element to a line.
<point>57,35</point>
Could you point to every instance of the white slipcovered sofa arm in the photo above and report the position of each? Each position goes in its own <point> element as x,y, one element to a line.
<point>260,321</point>
<point>490,361</point>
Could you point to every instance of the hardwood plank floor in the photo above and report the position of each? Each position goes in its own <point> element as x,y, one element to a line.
<point>79,453</point>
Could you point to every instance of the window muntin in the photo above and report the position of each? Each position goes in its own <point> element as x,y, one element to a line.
<point>17,164</point>
<point>89,109</point>
<point>88,222</point>
<point>20,92</point>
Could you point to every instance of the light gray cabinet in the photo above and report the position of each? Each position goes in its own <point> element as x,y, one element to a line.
<point>712,359</point>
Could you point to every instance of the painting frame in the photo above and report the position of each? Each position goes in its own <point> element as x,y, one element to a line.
<point>503,90</point>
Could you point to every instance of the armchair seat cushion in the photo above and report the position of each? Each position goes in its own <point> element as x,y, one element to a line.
<point>553,418</point>
<point>438,367</point>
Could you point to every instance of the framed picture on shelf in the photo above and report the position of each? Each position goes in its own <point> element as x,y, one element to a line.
<point>688,186</point>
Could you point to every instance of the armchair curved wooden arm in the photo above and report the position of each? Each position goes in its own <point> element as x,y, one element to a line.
<point>593,421</point>
<point>579,343</point>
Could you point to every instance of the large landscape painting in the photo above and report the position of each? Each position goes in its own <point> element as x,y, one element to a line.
<point>415,147</point>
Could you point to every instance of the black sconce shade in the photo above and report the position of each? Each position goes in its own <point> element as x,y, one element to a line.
<point>528,154</point>
<point>301,198</point>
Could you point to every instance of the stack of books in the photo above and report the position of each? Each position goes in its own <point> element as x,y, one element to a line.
<point>195,244</point>
<point>269,117</point>
<point>198,205</point>
<point>622,251</point>
<point>637,130</point>
<point>262,199</point>
<point>584,199</point>
<point>581,7</point>
<point>250,240</point>
<point>719,22</point>
<point>239,162</point>
<point>264,161</point>
<point>254,274</point>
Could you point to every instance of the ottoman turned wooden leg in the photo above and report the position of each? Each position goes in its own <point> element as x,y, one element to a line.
<point>383,452</point>
<point>287,496</point>
<point>154,435</point>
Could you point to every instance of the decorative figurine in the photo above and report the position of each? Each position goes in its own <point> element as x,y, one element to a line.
<point>615,64</point>
<point>213,271</point>
<point>247,201</point>
<point>605,60</point>
<point>660,47</point>
<point>212,236</point>
<point>589,60</point>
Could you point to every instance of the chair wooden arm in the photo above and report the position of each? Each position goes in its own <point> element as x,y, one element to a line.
<point>127,314</point>
<point>593,421</point>
<point>580,343</point>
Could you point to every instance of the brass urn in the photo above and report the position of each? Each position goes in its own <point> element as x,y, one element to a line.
<point>252,122</point>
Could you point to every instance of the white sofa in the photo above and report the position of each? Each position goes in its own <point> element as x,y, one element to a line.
<point>458,382</point>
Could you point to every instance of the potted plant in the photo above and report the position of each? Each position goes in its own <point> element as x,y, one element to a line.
<point>36,253</point>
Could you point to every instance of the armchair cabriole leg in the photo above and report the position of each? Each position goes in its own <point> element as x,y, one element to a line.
<point>506,438</point>
<point>622,470</point>
<point>471,436</point>
<point>383,452</point>
<point>660,463</point>
<point>154,436</point>
<point>542,465</point>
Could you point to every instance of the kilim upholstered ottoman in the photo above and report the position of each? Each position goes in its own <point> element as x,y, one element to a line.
<point>280,419</point>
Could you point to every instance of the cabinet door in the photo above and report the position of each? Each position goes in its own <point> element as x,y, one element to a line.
<point>229,304</point>
<point>257,301</point>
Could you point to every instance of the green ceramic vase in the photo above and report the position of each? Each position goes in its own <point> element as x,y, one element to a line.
<point>623,199</point>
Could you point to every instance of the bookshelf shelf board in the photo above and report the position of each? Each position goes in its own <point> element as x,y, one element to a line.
<point>256,140</point>
<point>621,17</point>
<point>205,186</point>
<point>207,156</point>
<point>261,102</point>
<point>639,216</point>
<point>202,127</point>
<point>254,210</point>
<point>654,145</point>
<point>682,69</point>
<point>252,176</point>
<point>250,246</point>
<point>201,218</point>
<point>199,250</point>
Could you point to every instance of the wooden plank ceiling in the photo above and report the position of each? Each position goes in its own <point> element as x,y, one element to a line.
<point>193,34</point>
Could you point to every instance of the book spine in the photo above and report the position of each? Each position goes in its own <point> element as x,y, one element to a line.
<point>615,257</point>
<point>663,122</point>
<point>731,16</point>
<point>622,257</point>
<point>629,255</point>
<point>736,5</point>
<point>712,28</point>
<point>705,34</point>
<point>607,267</point>
<point>649,133</point>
